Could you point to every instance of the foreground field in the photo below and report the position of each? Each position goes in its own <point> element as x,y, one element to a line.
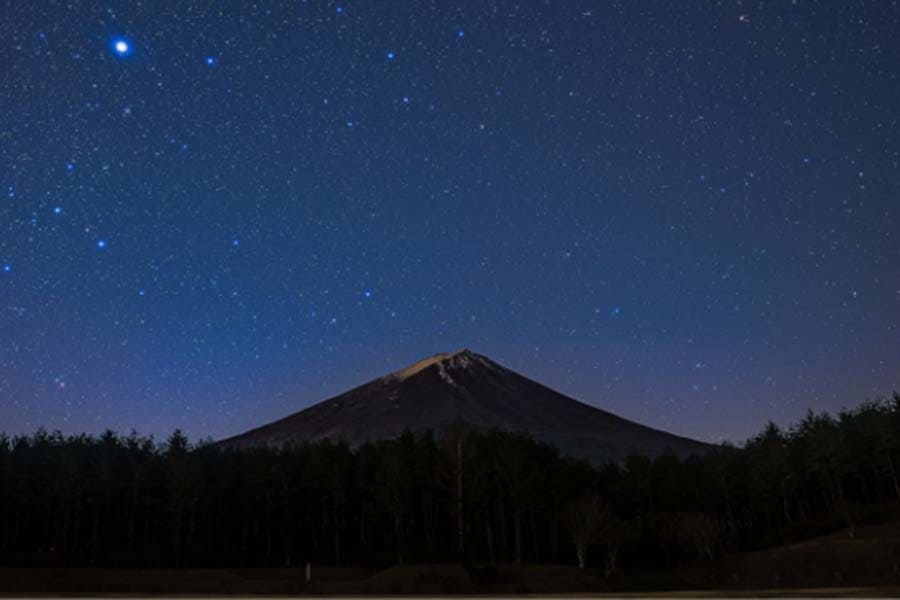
<point>866,565</point>
<point>430,580</point>
<point>870,558</point>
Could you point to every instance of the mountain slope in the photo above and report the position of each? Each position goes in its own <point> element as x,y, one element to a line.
<point>467,387</point>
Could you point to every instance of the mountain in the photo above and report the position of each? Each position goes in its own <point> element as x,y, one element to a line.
<point>449,388</point>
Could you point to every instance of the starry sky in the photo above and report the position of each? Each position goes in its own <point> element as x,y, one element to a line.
<point>214,214</point>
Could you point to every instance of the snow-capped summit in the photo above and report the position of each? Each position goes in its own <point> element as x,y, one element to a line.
<point>446,362</point>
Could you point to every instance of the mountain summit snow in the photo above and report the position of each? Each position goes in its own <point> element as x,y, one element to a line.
<point>466,387</point>
<point>445,361</point>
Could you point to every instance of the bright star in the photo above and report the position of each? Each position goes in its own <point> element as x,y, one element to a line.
<point>101,244</point>
<point>616,311</point>
<point>367,294</point>
<point>211,61</point>
<point>390,55</point>
<point>460,33</point>
<point>57,210</point>
<point>7,268</point>
<point>121,46</point>
<point>235,242</point>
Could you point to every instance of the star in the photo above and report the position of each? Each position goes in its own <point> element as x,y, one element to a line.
<point>211,61</point>
<point>57,210</point>
<point>121,46</point>
<point>7,268</point>
<point>101,244</point>
<point>390,55</point>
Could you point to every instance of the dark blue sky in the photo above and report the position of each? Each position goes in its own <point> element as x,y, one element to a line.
<point>217,213</point>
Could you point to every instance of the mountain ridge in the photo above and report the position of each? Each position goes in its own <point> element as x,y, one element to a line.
<point>448,388</point>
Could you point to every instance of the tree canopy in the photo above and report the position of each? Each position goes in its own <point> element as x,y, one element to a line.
<point>470,495</point>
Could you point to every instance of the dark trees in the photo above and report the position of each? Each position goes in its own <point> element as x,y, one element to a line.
<point>481,496</point>
<point>587,520</point>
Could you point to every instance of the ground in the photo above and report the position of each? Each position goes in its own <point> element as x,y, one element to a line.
<point>837,565</point>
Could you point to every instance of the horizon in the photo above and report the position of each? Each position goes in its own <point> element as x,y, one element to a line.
<point>682,214</point>
<point>160,436</point>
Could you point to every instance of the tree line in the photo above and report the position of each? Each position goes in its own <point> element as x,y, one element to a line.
<point>477,496</point>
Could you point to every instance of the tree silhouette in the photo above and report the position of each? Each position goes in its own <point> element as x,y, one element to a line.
<point>483,496</point>
<point>587,519</point>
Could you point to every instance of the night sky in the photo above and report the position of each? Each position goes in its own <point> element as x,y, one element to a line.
<point>214,214</point>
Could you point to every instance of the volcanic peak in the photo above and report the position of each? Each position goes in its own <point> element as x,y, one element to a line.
<point>446,362</point>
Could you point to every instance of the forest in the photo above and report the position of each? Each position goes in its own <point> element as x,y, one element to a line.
<point>472,496</point>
